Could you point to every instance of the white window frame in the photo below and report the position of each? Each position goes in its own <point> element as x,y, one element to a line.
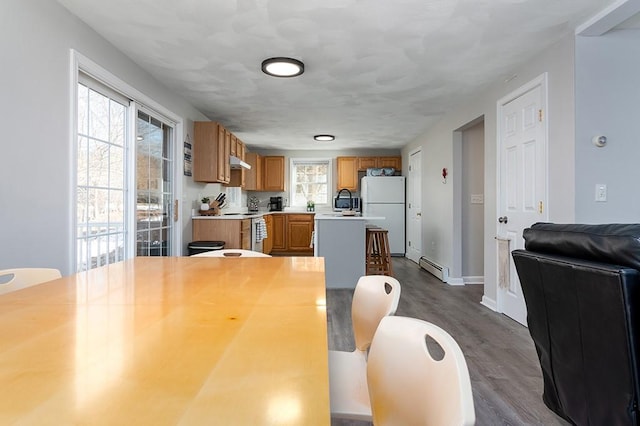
<point>80,63</point>
<point>292,164</point>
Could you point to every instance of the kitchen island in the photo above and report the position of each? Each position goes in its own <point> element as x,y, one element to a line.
<point>341,241</point>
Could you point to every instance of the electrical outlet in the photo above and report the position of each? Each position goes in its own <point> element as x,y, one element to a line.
<point>601,192</point>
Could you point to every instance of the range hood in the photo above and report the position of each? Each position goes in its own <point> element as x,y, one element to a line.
<point>237,163</point>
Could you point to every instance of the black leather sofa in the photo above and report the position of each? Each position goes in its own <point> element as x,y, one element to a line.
<point>581,284</point>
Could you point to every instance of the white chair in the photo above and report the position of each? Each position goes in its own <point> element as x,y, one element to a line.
<point>15,279</point>
<point>375,297</point>
<point>231,253</point>
<point>408,386</point>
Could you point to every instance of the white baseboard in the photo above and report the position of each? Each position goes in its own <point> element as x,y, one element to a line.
<point>455,281</point>
<point>489,303</point>
<point>473,280</point>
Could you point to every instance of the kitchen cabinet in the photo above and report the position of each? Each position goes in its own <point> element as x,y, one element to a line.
<point>236,233</point>
<point>210,153</point>
<point>347,173</point>
<point>395,162</point>
<point>241,149</point>
<point>233,146</point>
<point>365,163</point>
<point>299,232</point>
<point>267,243</point>
<point>279,232</point>
<point>253,177</point>
<point>227,153</point>
<point>238,176</point>
<point>273,173</point>
<point>292,233</point>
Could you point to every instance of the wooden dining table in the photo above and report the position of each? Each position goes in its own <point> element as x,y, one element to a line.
<point>169,340</point>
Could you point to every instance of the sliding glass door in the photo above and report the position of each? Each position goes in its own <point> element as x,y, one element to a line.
<point>154,186</point>
<point>124,178</point>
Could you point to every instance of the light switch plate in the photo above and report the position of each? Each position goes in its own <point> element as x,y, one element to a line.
<point>477,198</point>
<point>601,192</point>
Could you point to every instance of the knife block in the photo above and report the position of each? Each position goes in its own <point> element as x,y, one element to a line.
<point>214,209</point>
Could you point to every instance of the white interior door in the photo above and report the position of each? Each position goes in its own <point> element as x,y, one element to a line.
<point>414,207</point>
<point>522,183</point>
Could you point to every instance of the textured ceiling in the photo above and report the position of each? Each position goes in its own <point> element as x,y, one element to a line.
<point>378,72</point>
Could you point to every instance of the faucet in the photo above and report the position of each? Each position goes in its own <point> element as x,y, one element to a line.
<point>350,197</point>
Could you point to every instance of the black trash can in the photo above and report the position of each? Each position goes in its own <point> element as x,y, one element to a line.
<point>196,247</point>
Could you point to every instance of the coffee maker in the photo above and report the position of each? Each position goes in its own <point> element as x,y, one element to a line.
<point>275,204</point>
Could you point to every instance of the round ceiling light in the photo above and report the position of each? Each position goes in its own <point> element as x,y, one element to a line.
<point>324,138</point>
<point>282,67</point>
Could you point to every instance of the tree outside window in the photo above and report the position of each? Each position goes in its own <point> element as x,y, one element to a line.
<point>310,181</point>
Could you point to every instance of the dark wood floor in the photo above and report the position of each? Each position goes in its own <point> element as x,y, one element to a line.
<point>505,374</point>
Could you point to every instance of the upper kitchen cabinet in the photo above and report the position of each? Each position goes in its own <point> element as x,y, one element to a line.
<point>365,163</point>
<point>253,177</point>
<point>211,152</point>
<point>273,173</point>
<point>227,153</point>
<point>240,150</point>
<point>238,176</point>
<point>232,147</point>
<point>395,162</point>
<point>347,173</point>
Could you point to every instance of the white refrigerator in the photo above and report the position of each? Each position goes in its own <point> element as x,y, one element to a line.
<point>383,196</point>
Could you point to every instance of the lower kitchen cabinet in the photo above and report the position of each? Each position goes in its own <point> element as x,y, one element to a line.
<point>299,231</point>
<point>292,233</point>
<point>279,232</point>
<point>236,233</point>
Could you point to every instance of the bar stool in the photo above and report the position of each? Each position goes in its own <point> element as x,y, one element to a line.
<point>378,260</point>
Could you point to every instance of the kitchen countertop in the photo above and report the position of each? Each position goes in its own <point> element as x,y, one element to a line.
<point>248,215</point>
<point>318,215</point>
<point>339,216</point>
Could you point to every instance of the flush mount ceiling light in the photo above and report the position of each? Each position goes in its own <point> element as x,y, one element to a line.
<point>324,138</point>
<point>282,67</point>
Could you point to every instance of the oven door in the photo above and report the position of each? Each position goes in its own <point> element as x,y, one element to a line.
<point>255,245</point>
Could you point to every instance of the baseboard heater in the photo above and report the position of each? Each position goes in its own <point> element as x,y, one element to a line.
<point>439,271</point>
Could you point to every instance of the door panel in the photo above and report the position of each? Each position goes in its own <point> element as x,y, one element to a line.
<point>522,190</point>
<point>414,207</point>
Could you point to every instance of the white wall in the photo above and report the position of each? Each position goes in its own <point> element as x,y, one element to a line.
<point>608,103</point>
<point>35,161</point>
<point>438,151</point>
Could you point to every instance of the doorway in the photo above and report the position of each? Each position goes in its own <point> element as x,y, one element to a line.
<point>472,206</point>
<point>468,204</point>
